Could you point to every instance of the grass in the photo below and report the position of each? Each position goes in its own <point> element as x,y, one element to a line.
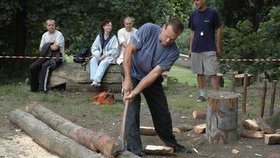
<point>181,94</point>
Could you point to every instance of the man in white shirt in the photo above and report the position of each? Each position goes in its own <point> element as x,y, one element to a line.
<point>52,45</point>
<point>124,35</point>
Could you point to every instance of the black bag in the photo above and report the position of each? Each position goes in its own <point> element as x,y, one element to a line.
<point>80,56</point>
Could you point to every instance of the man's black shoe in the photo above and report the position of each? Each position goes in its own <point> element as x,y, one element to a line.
<point>181,149</point>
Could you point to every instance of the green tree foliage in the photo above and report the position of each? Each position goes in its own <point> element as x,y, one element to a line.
<point>253,10</point>
<point>243,42</point>
<point>23,22</point>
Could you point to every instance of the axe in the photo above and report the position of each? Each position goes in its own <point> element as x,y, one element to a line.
<point>122,133</point>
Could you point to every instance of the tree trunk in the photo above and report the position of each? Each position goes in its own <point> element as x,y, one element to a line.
<point>97,141</point>
<point>48,138</point>
<point>20,38</point>
<point>221,118</point>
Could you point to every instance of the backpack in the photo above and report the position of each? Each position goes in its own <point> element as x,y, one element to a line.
<point>81,56</point>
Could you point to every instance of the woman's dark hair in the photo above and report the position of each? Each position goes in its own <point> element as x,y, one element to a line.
<point>104,22</point>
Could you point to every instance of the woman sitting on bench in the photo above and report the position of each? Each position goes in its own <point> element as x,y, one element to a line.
<point>105,50</point>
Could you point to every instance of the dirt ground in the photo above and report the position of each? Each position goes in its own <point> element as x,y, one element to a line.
<point>15,143</point>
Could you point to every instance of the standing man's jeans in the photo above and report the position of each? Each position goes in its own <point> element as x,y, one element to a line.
<point>98,68</point>
<point>158,106</point>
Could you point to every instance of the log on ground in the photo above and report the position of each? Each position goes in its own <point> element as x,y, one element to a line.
<point>199,114</point>
<point>150,131</point>
<point>253,134</point>
<point>158,150</point>
<point>96,141</point>
<point>48,138</point>
<point>270,139</point>
<point>250,125</point>
<point>264,126</point>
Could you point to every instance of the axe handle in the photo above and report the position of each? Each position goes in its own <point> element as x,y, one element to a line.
<point>122,133</point>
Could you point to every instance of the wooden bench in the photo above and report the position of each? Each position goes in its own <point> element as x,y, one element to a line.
<point>74,77</point>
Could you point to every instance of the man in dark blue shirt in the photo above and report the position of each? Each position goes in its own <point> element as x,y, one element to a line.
<point>204,24</point>
<point>151,51</point>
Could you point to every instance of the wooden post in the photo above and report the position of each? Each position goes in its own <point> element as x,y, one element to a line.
<point>272,100</point>
<point>244,96</point>
<point>233,83</point>
<point>48,138</point>
<point>263,97</point>
<point>221,118</point>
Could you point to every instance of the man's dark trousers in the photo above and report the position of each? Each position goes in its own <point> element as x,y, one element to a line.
<point>158,106</point>
<point>40,72</point>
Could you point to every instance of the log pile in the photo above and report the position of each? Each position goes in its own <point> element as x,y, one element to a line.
<point>258,128</point>
<point>65,138</point>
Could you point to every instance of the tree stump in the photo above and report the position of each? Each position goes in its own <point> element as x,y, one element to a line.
<point>222,117</point>
<point>75,77</point>
<point>239,80</point>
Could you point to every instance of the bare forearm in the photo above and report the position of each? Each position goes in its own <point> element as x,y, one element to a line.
<point>148,80</point>
<point>219,40</point>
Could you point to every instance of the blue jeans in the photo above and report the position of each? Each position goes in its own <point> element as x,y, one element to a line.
<point>161,116</point>
<point>98,68</point>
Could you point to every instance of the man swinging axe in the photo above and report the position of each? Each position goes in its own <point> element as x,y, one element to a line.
<point>151,51</point>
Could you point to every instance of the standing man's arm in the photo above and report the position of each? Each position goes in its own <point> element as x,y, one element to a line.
<point>127,62</point>
<point>191,34</point>
<point>219,41</point>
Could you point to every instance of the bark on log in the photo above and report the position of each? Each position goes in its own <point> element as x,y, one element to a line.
<point>253,134</point>
<point>48,138</point>
<point>270,139</point>
<point>200,128</point>
<point>97,141</point>
<point>158,150</point>
<point>199,114</point>
<point>264,126</point>
<point>221,120</point>
<point>250,125</point>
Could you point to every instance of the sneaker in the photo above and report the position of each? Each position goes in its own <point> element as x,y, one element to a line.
<point>181,149</point>
<point>95,84</point>
<point>200,99</point>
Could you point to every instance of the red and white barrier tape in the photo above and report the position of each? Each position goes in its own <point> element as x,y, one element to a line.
<point>185,58</point>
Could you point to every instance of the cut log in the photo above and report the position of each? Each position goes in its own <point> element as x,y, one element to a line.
<point>264,126</point>
<point>220,78</point>
<point>97,141</point>
<point>221,117</point>
<point>200,128</point>
<point>239,80</point>
<point>253,134</point>
<point>270,139</point>
<point>199,114</point>
<point>250,125</point>
<point>76,78</point>
<point>158,150</point>
<point>183,128</point>
<point>48,138</point>
<point>150,131</point>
